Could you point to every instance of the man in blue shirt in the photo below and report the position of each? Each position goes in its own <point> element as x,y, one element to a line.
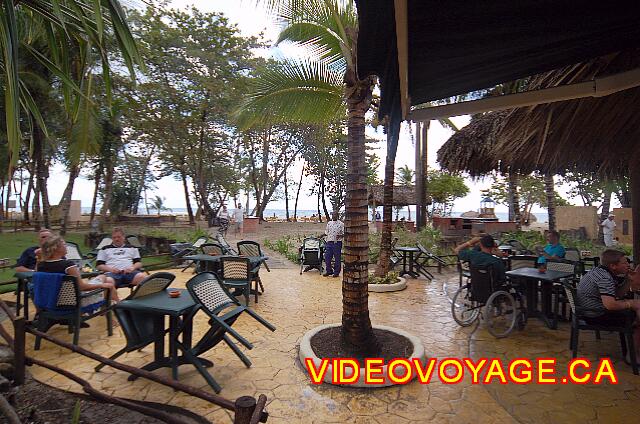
<point>553,249</point>
<point>28,260</point>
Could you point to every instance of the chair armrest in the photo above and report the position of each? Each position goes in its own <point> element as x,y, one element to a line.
<point>91,293</point>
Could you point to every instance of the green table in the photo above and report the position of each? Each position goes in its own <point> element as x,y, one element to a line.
<point>180,311</point>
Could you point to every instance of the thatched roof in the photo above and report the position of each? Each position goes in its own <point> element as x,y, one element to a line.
<point>590,134</point>
<point>402,195</point>
<point>471,149</point>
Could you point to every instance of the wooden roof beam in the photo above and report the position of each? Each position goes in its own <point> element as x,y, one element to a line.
<point>598,87</point>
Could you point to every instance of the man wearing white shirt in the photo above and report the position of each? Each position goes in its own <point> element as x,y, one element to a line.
<point>333,247</point>
<point>608,227</point>
<point>238,219</point>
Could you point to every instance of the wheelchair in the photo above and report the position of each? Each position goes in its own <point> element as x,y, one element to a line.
<point>502,305</point>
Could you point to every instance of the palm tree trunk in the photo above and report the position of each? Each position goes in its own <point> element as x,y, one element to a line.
<point>41,173</point>
<point>515,200</point>
<point>65,201</point>
<point>96,189</point>
<point>606,206</point>
<point>384,263</point>
<point>357,333</point>
<point>108,192</point>
<point>183,176</point>
<point>295,207</point>
<point>551,204</point>
<point>27,197</point>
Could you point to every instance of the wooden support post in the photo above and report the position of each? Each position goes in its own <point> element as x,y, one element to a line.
<point>425,170</point>
<point>19,350</point>
<point>634,170</point>
<point>244,407</point>
<point>419,180</point>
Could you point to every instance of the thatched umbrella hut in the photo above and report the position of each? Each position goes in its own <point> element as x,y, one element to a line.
<point>402,195</point>
<point>470,150</point>
<point>589,134</point>
<point>595,134</point>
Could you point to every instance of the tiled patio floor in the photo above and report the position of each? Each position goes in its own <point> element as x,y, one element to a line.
<point>295,304</point>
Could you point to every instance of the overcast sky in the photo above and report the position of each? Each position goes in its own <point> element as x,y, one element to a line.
<point>253,20</point>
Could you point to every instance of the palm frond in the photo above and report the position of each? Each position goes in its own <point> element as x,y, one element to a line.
<point>300,91</point>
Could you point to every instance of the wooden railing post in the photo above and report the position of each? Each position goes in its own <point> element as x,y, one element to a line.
<point>19,350</point>
<point>244,407</point>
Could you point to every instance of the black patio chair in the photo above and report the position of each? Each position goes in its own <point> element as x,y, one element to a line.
<point>464,273</point>
<point>252,248</point>
<point>424,258</point>
<point>138,326</point>
<point>60,301</point>
<point>213,249</point>
<point>223,310</point>
<point>559,298</point>
<point>522,261</point>
<point>578,323</point>
<point>104,242</point>
<point>134,241</point>
<point>395,256</point>
<point>235,272</point>
<point>572,254</point>
<point>191,249</point>
<point>228,249</point>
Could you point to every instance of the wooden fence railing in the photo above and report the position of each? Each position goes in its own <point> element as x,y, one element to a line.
<point>247,409</point>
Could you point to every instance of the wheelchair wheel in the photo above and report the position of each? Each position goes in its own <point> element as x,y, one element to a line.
<point>501,313</point>
<point>464,310</point>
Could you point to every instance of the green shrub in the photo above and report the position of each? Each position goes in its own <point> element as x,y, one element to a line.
<point>390,278</point>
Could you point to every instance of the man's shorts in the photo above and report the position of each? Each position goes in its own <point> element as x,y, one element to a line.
<point>122,280</point>
<point>613,318</point>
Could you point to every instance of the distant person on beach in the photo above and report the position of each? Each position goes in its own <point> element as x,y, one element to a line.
<point>333,247</point>
<point>608,228</point>
<point>238,219</point>
<point>223,220</point>
<point>29,258</point>
<point>120,261</point>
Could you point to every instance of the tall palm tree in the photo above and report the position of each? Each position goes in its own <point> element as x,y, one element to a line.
<point>68,23</point>
<point>316,89</point>
<point>405,178</point>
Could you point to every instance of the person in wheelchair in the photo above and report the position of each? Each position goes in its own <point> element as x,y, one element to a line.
<point>482,257</point>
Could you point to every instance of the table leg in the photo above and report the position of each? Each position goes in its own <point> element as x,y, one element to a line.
<point>18,295</point>
<point>159,359</point>
<point>173,346</point>
<point>551,321</point>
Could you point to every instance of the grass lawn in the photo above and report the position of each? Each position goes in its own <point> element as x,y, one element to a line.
<point>13,244</point>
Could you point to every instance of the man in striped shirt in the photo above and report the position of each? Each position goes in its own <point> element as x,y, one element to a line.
<point>601,293</point>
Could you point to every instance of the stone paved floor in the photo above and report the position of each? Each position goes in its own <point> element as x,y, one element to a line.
<point>295,304</point>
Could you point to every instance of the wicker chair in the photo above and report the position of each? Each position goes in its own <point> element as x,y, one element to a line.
<point>223,310</point>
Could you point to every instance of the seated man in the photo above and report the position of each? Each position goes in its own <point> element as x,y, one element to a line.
<point>485,257</point>
<point>120,260</point>
<point>29,258</point>
<point>601,291</point>
<point>553,249</point>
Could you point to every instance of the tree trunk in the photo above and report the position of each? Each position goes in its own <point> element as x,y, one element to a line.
<point>27,198</point>
<point>65,201</point>
<point>357,333</point>
<point>322,196</point>
<point>36,216</point>
<point>515,200</point>
<point>42,172</point>
<point>96,189</point>
<point>384,262</point>
<point>108,191</point>
<point>551,204</point>
<point>604,214</point>
<point>183,176</point>
<point>295,208</point>
<point>318,205</point>
<point>286,196</point>
<point>624,197</point>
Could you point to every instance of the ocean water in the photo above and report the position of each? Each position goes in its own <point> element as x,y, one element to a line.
<point>281,213</point>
